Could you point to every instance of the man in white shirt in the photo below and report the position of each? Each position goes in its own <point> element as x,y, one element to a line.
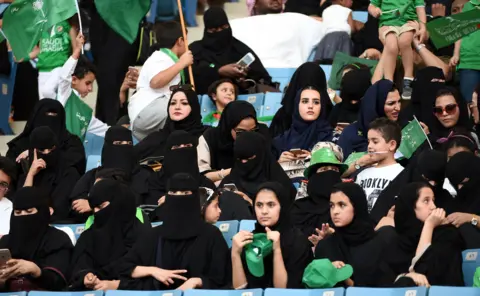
<point>148,108</point>
<point>7,174</point>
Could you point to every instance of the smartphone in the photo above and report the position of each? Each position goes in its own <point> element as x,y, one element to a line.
<point>4,256</point>
<point>296,152</point>
<point>230,187</point>
<point>247,60</point>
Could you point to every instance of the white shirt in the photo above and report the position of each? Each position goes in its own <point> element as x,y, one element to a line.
<point>145,95</point>
<point>335,19</point>
<point>6,208</point>
<point>374,180</point>
<point>283,40</point>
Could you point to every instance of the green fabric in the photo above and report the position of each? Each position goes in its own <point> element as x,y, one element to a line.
<point>412,138</point>
<point>91,219</point>
<point>175,59</point>
<point>55,47</point>
<point>324,156</point>
<point>123,16</point>
<point>321,273</point>
<point>353,157</point>
<point>470,46</point>
<point>397,12</point>
<point>24,21</point>
<point>476,278</point>
<point>77,115</point>
<point>340,61</point>
<point>210,118</point>
<point>256,251</point>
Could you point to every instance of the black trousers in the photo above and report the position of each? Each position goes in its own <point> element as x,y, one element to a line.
<point>112,55</point>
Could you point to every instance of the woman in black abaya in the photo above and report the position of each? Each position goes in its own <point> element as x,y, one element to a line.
<point>355,237</point>
<point>216,55</point>
<point>41,253</point>
<point>282,269</point>
<point>100,248</point>
<point>184,252</point>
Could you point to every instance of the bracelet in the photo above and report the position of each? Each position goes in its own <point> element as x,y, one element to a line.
<point>420,46</point>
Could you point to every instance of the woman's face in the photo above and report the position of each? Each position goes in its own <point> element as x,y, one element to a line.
<point>309,106</point>
<point>341,209</point>
<point>267,208</point>
<point>425,204</point>
<point>212,212</point>
<point>225,94</point>
<point>447,111</point>
<point>247,125</point>
<point>454,150</point>
<point>179,107</point>
<point>26,212</point>
<point>392,105</point>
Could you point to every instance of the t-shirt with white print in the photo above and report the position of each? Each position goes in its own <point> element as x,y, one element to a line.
<point>374,180</point>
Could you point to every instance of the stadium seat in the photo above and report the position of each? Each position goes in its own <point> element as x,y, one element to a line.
<point>413,291</point>
<point>206,106</point>
<point>144,293</point>
<point>311,292</point>
<point>228,229</point>
<point>248,225</point>
<point>361,16</point>
<point>76,228</point>
<point>93,162</point>
<point>93,144</point>
<point>163,10</point>
<point>272,102</point>
<point>255,99</point>
<point>155,224</point>
<point>6,97</point>
<point>327,69</point>
<point>190,12</point>
<point>252,292</point>
<point>14,294</point>
<point>449,291</point>
<point>86,293</point>
<point>471,261</point>
<point>281,75</point>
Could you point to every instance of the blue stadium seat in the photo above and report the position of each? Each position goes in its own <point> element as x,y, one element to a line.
<point>93,162</point>
<point>272,102</point>
<point>206,106</point>
<point>252,292</point>
<point>327,69</point>
<point>361,16</point>
<point>281,75</point>
<point>190,12</point>
<point>449,291</point>
<point>248,225</point>
<point>144,293</point>
<point>86,293</point>
<point>471,261</point>
<point>155,224</point>
<point>413,291</point>
<point>76,228</point>
<point>228,229</point>
<point>255,99</point>
<point>14,294</point>
<point>93,144</point>
<point>163,10</point>
<point>6,96</point>
<point>311,292</point>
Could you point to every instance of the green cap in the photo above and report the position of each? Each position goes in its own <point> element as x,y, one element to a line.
<point>321,273</point>
<point>323,157</point>
<point>256,251</point>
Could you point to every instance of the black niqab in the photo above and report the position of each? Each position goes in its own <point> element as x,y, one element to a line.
<point>461,166</point>
<point>118,156</point>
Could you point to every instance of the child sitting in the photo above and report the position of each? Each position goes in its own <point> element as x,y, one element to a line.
<point>221,93</point>
<point>396,32</point>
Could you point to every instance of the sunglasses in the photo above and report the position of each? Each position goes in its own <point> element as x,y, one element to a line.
<point>185,87</point>
<point>449,109</point>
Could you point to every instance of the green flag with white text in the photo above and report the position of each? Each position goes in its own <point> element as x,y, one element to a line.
<point>24,21</point>
<point>412,138</point>
<point>446,30</point>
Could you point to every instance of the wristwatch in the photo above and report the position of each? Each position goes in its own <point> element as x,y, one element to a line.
<point>357,166</point>
<point>474,220</point>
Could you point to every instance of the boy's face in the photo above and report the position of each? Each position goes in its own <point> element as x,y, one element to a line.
<point>378,146</point>
<point>181,46</point>
<point>84,85</point>
<point>346,3</point>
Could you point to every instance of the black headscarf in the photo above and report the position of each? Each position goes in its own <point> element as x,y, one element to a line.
<point>43,138</point>
<point>461,166</point>
<point>220,140</point>
<point>353,87</point>
<point>464,123</point>
<point>182,218</point>
<point>305,134</point>
<point>218,42</point>
<point>308,74</point>
<point>27,232</point>
<point>119,157</point>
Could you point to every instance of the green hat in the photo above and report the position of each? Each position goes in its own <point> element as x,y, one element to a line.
<point>322,157</point>
<point>256,251</point>
<point>321,273</point>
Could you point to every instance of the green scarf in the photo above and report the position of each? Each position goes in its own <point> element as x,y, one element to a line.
<point>175,59</point>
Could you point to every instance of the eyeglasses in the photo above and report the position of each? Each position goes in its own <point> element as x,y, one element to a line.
<point>449,109</point>
<point>239,131</point>
<point>3,187</point>
<point>185,87</point>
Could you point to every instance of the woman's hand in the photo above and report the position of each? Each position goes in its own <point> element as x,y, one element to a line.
<point>106,285</point>
<point>338,264</point>
<point>419,279</point>
<point>192,283</point>
<point>37,165</point>
<point>81,206</point>
<point>425,128</point>
<point>166,277</point>
<point>274,236</point>
<point>23,155</point>
<point>245,197</point>
<point>18,267</point>
<point>240,240</point>
<point>454,60</point>
<point>458,219</point>
<point>436,218</point>
<point>161,201</point>
<point>286,156</point>
<point>90,280</point>
<point>321,234</point>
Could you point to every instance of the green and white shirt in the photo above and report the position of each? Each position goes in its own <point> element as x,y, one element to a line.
<point>55,47</point>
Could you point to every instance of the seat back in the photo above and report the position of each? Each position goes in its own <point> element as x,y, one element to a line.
<point>93,144</point>
<point>6,96</point>
<point>471,261</point>
<point>273,102</point>
<point>281,75</point>
<point>361,16</point>
<point>85,293</point>
<point>14,294</point>
<point>255,99</point>
<point>328,70</point>
<point>251,292</point>
<point>228,229</point>
<point>305,292</point>
<point>206,106</point>
<point>144,293</point>
<point>76,228</point>
<point>413,291</point>
<point>449,291</point>
<point>247,225</point>
<point>93,162</point>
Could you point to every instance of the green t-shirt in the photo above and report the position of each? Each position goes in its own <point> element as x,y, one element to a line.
<point>397,12</point>
<point>470,45</point>
<point>55,47</point>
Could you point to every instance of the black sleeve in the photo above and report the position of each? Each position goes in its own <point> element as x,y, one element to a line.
<point>204,73</point>
<point>81,263</point>
<point>83,186</point>
<point>75,154</point>
<point>296,260</point>
<point>61,194</point>
<point>219,273</point>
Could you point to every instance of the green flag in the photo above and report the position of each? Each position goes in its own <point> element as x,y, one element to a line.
<point>354,157</point>
<point>340,61</point>
<point>413,137</point>
<point>24,21</point>
<point>446,30</point>
<point>123,16</point>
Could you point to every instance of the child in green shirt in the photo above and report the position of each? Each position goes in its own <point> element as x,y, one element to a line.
<point>221,92</point>
<point>397,28</point>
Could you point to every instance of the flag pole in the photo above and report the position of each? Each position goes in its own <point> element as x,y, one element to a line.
<point>79,19</point>
<point>184,32</point>
<point>426,136</point>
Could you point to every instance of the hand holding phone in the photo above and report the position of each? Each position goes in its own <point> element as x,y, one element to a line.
<point>299,153</point>
<point>5,256</point>
<point>230,187</point>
